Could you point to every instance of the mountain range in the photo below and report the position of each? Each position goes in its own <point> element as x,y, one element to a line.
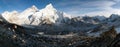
<point>49,27</point>
<point>34,16</point>
<point>60,21</point>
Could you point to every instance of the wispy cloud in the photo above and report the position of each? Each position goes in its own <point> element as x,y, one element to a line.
<point>107,9</point>
<point>106,13</point>
<point>94,7</point>
<point>116,0</point>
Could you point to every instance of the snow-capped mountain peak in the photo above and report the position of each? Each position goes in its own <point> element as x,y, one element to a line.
<point>50,15</point>
<point>49,6</point>
<point>34,7</point>
<point>29,11</point>
<point>35,16</point>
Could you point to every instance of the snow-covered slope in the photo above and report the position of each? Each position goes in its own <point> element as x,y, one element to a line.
<point>10,16</point>
<point>34,16</point>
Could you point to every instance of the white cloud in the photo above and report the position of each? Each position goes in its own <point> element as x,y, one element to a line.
<point>106,13</point>
<point>116,0</point>
<point>105,7</point>
<point>107,10</point>
<point>99,3</point>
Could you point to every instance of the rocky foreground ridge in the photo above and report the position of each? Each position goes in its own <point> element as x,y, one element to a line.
<point>13,35</point>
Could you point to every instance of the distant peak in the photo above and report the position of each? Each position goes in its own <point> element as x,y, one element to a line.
<point>49,6</point>
<point>34,7</point>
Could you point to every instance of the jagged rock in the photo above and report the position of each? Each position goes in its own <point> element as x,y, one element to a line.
<point>105,39</point>
<point>115,42</point>
<point>111,33</point>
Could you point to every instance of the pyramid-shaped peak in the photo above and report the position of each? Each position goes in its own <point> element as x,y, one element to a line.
<point>34,7</point>
<point>49,6</point>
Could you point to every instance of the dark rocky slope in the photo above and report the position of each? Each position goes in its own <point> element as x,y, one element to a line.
<point>13,35</point>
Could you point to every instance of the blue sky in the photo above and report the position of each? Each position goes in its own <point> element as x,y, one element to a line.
<point>73,7</point>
